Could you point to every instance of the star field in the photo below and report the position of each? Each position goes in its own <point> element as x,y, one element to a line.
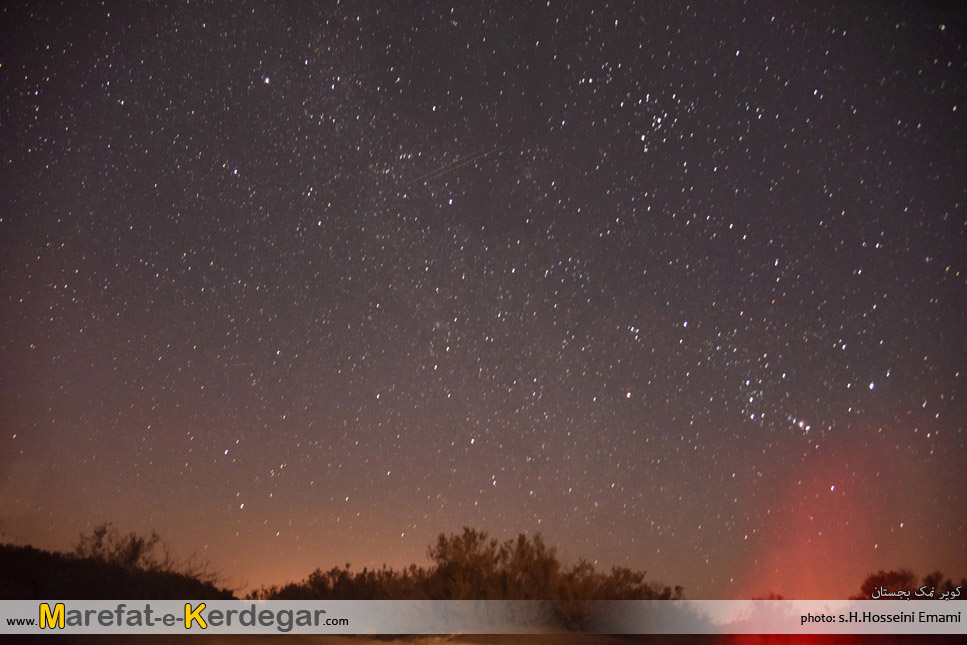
<point>680,286</point>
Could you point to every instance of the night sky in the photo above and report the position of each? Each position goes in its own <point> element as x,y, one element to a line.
<point>679,286</point>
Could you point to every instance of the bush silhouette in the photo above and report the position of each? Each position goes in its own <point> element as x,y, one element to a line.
<point>105,565</point>
<point>130,551</point>
<point>470,565</point>
<point>473,566</point>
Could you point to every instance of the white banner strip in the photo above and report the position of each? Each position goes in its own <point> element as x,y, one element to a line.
<point>482,617</point>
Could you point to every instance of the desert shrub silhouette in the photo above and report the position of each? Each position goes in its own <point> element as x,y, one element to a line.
<point>106,565</point>
<point>464,566</point>
<point>473,566</point>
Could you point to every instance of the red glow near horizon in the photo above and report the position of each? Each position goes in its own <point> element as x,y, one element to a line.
<point>828,525</point>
